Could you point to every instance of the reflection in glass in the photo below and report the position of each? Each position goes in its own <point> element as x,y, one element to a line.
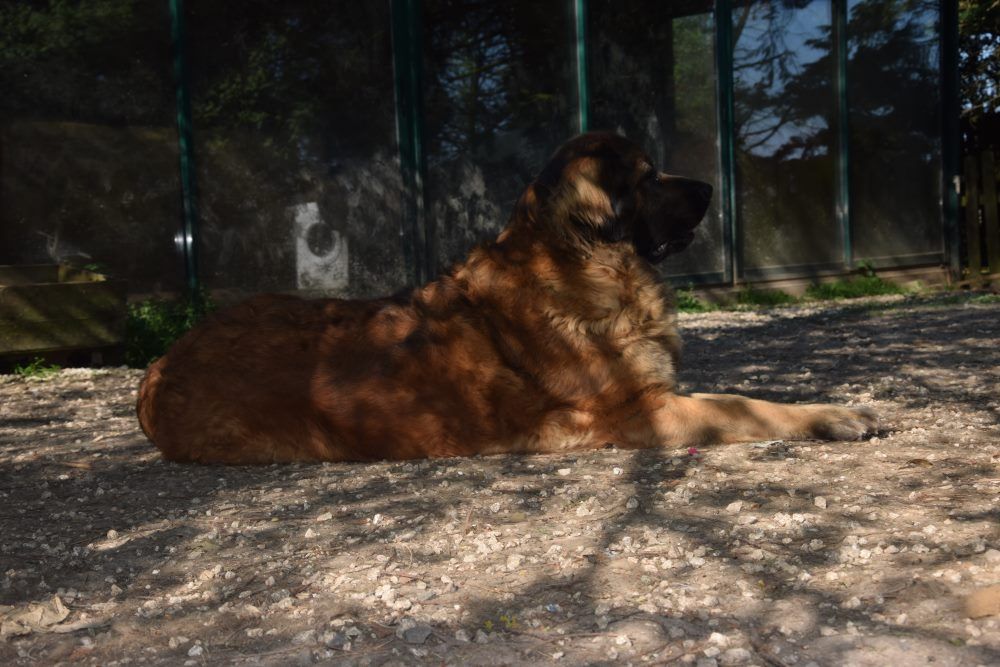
<point>295,146</point>
<point>88,144</point>
<point>498,78</point>
<point>894,128</point>
<point>652,70</point>
<point>785,133</point>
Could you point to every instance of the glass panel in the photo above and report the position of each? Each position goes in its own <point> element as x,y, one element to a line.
<point>895,129</point>
<point>499,82</point>
<point>294,130</point>
<point>652,68</point>
<point>88,141</point>
<point>785,111</point>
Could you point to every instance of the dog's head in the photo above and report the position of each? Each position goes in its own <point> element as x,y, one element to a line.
<point>607,189</point>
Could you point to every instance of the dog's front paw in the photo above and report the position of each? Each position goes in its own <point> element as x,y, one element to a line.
<point>836,423</point>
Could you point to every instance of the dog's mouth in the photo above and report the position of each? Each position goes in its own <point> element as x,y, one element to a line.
<point>673,246</point>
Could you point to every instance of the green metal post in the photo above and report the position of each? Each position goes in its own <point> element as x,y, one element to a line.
<point>727,131</point>
<point>417,233</point>
<point>840,23</point>
<point>582,73</point>
<point>188,238</point>
<point>950,135</point>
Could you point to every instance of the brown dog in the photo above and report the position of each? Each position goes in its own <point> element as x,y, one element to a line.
<point>557,336</point>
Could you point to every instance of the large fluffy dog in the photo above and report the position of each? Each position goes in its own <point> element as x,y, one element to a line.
<point>557,336</point>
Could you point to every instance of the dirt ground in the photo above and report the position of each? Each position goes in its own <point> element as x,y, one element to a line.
<point>771,553</point>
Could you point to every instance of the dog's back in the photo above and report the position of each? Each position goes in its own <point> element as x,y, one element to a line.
<point>284,379</point>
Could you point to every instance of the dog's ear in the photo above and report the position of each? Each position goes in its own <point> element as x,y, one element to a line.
<point>590,204</point>
<point>528,204</point>
<point>595,210</point>
<point>573,188</point>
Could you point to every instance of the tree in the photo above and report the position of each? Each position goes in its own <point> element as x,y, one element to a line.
<point>979,71</point>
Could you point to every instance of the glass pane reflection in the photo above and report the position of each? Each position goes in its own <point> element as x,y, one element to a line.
<point>653,79</point>
<point>498,92</point>
<point>88,143</point>
<point>894,100</point>
<point>295,144</point>
<point>785,110</point>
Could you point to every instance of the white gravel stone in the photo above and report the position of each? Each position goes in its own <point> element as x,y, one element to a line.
<point>719,639</point>
<point>735,656</point>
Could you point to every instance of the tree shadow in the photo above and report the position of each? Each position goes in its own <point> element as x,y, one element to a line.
<point>66,490</point>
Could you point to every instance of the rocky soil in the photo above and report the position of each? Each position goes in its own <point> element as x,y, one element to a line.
<point>770,553</point>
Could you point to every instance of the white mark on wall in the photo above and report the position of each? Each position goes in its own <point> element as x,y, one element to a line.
<point>320,251</point>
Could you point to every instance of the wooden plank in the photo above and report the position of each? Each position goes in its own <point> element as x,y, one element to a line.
<point>28,274</point>
<point>18,337</point>
<point>972,246</point>
<point>59,301</point>
<point>81,310</point>
<point>992,227</point>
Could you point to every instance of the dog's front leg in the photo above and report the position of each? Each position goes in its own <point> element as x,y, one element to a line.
<point>701,419</point>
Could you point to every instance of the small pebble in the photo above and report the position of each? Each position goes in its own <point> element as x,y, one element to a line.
<point>418,634</point>
<point>735,656</point>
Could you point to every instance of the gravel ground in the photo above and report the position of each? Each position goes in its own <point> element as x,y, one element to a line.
<point>772,553</point>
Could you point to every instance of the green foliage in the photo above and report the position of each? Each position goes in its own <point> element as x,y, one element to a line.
<point>852,288</point>
<point>37,368</point>
<point>979,59</point>
<point>64,59</point>
<point>985,299</point>
<point>509,621</point>
<point>751,296</point>
<point>152,326</point>
<point>687,302</point>
<point>506,622</point>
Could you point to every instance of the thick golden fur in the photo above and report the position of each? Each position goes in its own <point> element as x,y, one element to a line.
<point>557,336</point>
